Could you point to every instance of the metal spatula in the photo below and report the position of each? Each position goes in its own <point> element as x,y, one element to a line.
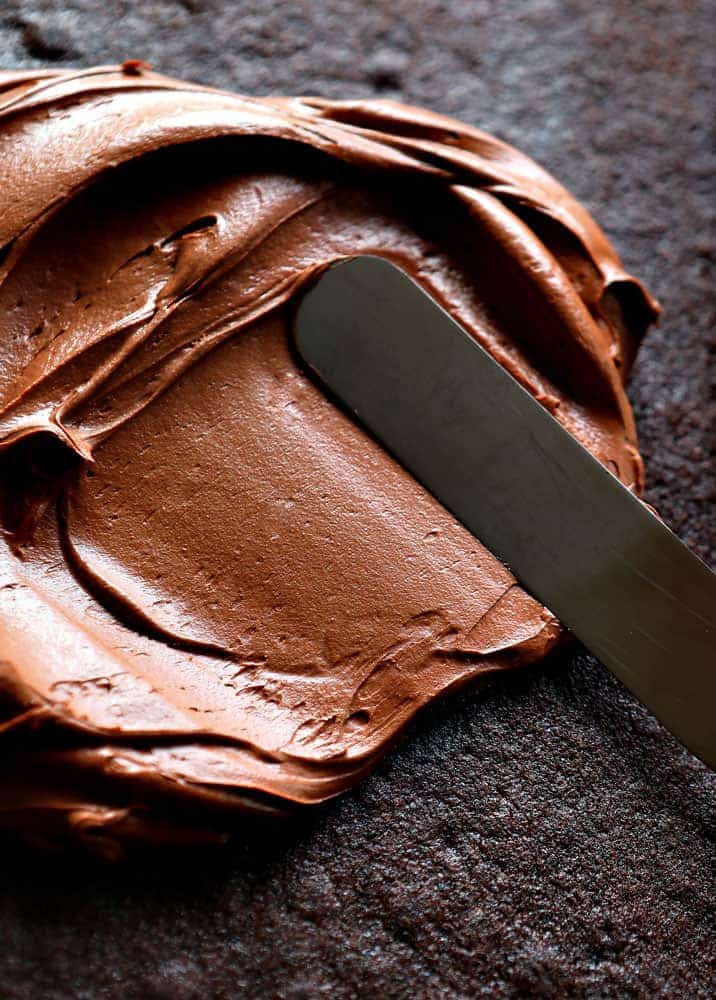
<point>572,534</point>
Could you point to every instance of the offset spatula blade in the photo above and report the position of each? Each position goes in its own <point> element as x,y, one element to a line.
<point>572,534</point>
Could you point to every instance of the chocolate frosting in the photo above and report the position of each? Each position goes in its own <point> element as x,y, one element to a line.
<point>218,595</point>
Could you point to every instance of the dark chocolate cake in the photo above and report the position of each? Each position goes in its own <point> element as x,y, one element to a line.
<point>543,836</point>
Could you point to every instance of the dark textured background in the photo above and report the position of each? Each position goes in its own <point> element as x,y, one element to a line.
<point>546,838</point>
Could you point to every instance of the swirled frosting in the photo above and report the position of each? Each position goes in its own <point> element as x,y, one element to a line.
<point>218,595</point>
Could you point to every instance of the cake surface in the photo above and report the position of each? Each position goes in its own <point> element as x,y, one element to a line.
<point>543,837</point>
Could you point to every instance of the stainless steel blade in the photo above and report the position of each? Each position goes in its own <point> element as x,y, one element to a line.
<point>573,535</point>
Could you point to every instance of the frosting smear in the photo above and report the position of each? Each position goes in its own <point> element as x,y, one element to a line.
<point>218,595</point>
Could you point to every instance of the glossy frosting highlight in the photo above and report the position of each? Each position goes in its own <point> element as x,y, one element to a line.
<point>218,595</point>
